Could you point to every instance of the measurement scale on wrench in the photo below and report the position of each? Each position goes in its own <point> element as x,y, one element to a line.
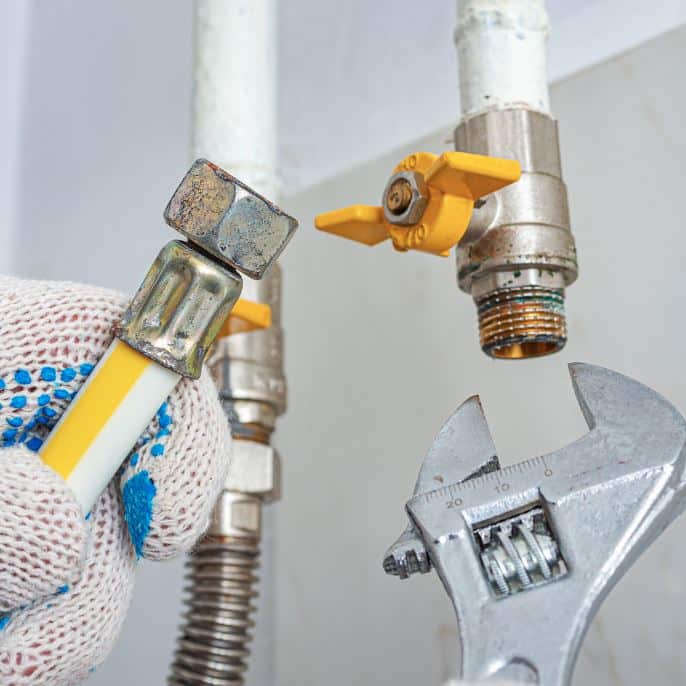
<point>528,553</point>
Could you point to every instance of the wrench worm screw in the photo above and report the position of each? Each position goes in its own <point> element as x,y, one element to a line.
<point>519,553</point>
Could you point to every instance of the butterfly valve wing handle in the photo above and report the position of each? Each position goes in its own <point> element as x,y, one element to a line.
<point>427,203</point>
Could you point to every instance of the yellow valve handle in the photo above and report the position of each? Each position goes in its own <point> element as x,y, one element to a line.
<point>247,316</point>
<point>453,180</point>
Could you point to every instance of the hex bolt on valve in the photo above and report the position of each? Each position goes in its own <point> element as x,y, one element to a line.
<point>546,538</point>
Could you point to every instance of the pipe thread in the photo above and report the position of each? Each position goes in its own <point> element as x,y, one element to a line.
<point>526,321</point>
<point>213,646</point>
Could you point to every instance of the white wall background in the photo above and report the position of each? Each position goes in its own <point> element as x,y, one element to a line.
<point>381,347</point>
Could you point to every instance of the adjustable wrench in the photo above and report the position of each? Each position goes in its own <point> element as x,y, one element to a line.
<point>527,553</point>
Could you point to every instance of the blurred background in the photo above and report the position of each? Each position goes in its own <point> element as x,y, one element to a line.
<point>380,347</point>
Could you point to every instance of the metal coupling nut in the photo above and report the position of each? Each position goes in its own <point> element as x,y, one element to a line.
<point>229,220</point>
<point>518,254</point>
<point>180,308</point>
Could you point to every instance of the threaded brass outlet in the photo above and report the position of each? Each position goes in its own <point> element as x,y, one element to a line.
<point>527,321</point>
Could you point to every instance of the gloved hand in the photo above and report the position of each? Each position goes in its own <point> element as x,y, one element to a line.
<point>66,580</point>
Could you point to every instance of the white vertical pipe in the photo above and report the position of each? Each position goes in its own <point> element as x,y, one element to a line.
<point>235,126</point>
<point>235,97</point>
<point>501,48</point>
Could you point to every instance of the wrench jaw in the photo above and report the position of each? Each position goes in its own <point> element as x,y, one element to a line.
<point>594,506</point>
<point>623,405</point>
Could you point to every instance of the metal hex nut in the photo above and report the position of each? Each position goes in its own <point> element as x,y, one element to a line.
<point>236,514</point>
<point>229,220</point>
<point>254,468</point>
<point>417,200</point>
<point>246,515</point>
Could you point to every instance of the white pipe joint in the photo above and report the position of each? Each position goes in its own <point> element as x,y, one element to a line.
<point>501,48</point>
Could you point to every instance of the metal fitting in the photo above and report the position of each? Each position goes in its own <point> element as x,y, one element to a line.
<point>518,254</point>
<point>254,469</point>
<point>405,198</point>
<point>180,308</point>
<point>248,367</point>
<point>253,479</point>
<point>237,515</point>
<point>229,220</point>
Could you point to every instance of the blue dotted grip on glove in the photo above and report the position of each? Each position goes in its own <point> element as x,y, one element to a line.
<point>138,492</point>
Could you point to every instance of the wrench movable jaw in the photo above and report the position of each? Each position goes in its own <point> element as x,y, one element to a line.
<point>462,449</point>
<point>528,553</point>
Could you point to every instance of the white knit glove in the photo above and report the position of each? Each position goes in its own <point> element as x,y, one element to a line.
<point>66,582</point>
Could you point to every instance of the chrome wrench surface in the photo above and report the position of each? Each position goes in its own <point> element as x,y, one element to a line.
<point>528,553</point>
